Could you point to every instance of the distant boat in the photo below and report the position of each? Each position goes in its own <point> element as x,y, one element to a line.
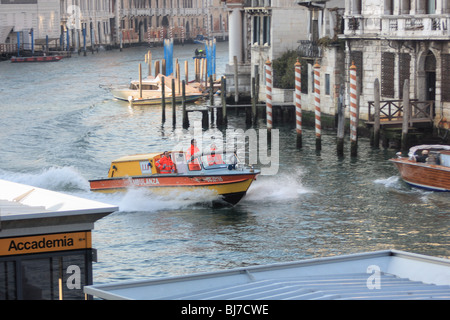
<point>432,173</point>
<point>36,59</point>
<point>151,93</point>
<point>200,39</point>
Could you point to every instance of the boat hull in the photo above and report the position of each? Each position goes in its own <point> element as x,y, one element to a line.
<point>149,100</point>
<point>231,188</point>
<point>422,175</point>
<point>36,59</point>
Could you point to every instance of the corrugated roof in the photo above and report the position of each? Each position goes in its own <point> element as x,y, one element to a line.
<point>351,286</point>
<point>397,275</point>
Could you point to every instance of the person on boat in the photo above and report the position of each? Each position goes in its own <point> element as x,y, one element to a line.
<point>165,164</point>
<point>214,158</point>
<point>193,162</point>
<point>423,157</point>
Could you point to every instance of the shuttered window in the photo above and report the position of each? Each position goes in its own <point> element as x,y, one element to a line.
<point>387,74</point>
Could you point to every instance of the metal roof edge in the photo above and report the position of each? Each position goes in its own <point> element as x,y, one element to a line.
<point>258,268</point>
<point>161,288</point>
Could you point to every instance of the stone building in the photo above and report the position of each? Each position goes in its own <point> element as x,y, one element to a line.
<point>181,19</point>
<point>74,24</point>
<point>397,40</point>
<point>261,30</point>
<point>24,20</point>
<point>323,48</point>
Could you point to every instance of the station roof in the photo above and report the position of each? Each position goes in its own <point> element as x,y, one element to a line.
<point>378,275</point>
<point>26,210</point>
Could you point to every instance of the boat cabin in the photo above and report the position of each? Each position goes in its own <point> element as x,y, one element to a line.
<point>431,154</point>
<point>145,164</point>
<point>145,86</point>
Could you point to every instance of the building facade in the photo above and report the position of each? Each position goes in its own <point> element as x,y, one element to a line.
<point>323,48</point>
<point>32,19</point>
<point>261,30</point>
<point>397,40</point>
<point>77,24</point>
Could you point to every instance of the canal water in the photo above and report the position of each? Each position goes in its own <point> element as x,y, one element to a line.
<point>60,127</point>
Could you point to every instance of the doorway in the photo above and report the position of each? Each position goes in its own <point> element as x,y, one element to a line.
<point>430,76</point>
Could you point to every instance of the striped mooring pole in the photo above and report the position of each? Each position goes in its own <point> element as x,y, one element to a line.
<point>353,124</point>
<point>298,104</point>
<point>269,94</point>
<point>318,122</point>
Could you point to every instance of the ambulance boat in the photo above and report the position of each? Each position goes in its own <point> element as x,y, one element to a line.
<point>226,178</point>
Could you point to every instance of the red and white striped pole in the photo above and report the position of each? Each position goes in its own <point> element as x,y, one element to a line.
<point>317,106</point>
<point>269,94</point>
<point>353,102</point>
<point>298,104</point>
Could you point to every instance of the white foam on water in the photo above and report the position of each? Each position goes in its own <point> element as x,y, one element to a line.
<point>146,200</point>
<point>54,178</point>
<point>391,182</point>
<point>69,180</point>
<point>280,187</point>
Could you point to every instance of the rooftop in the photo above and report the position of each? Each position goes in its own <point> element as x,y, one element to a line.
<point>28,210</point>
<point>377,275</point>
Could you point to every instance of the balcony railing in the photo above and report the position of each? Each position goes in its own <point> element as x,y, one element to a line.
<point>418,26</point>
<point>309,49</point>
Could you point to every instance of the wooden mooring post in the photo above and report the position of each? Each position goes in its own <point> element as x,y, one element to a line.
<point>222,112</point>
<point>174,103</point>
<point>254,102</point>
<point>149,62</point>
<point>298,103</point>
<point>163,100</point>
<point>269,95</point>
<point>140,81</point>
<point>318,122</point>
<point>406,116</point>
<point>236,80</point>
<point>341,122</point>
<point>353,111</point>
<point>156,68</point>
<point>183,105</point>
<point>376,126</point>
<point>211,90</point>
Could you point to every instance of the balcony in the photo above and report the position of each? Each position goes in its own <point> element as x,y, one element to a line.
<point>426,26</point>
<point>431,27</point>
<point>309,49</point>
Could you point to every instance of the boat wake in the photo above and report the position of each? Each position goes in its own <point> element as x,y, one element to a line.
<point>70,181</point>
<point>146,200</point>
<point>396,184</point>
<point>61,179</point>
<point>392,182</point>
<point>281,187</point>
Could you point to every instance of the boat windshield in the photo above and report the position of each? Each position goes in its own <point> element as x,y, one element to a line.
<point>218,161</point>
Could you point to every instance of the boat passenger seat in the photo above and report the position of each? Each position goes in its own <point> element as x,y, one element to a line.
<point>174,163</point>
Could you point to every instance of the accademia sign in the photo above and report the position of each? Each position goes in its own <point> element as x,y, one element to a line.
<point>45,243</point>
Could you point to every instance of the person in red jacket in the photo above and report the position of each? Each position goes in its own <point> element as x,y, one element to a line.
<point>193,163</point>
<point>214,158</point>
<point>165,164</point>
